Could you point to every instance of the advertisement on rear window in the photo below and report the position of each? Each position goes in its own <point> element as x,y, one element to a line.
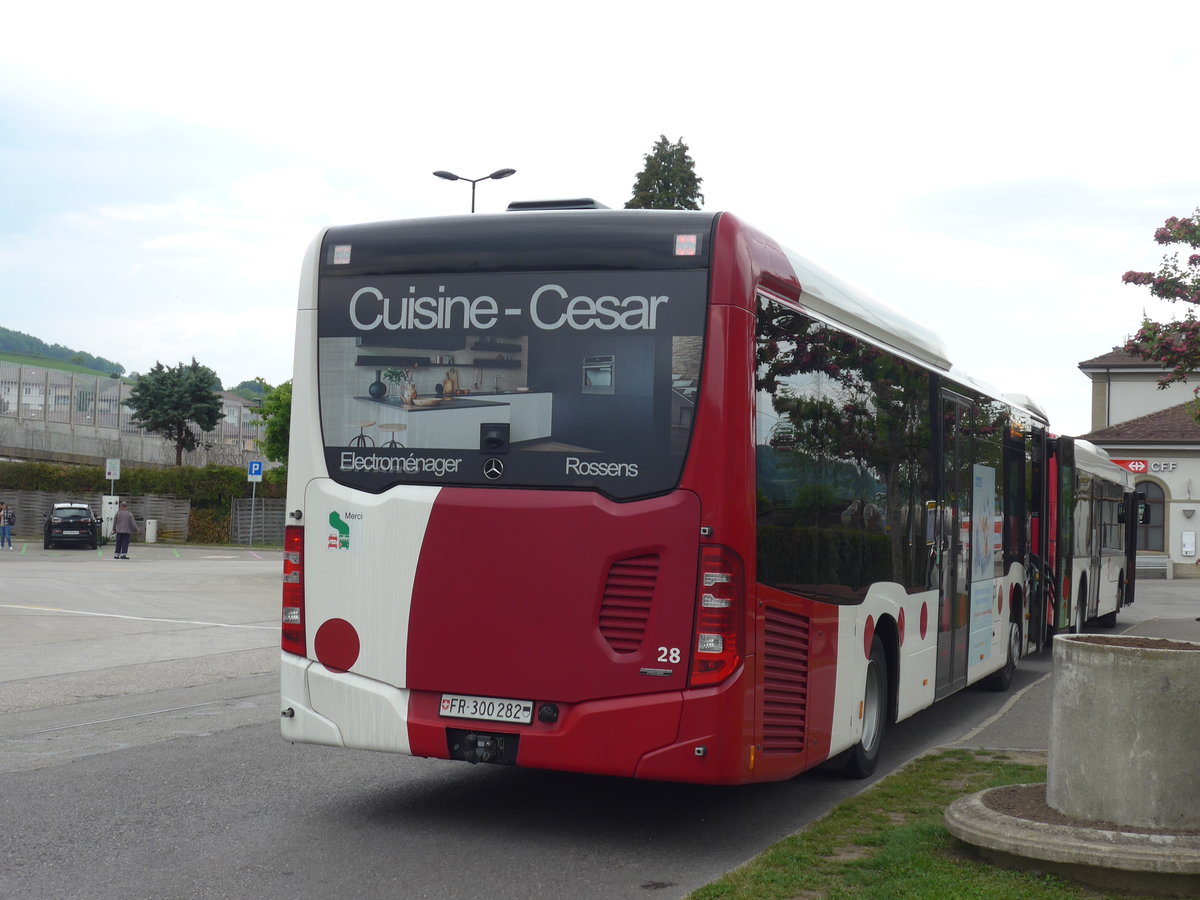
<point>572,380</point>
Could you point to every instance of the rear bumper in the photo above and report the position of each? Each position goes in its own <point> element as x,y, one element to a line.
<point>320,706</point>
<point>664,736</point>
<point>85,537</point>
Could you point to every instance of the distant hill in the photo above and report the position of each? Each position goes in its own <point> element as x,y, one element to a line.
<point>57,365</point>
<point>19,344</point>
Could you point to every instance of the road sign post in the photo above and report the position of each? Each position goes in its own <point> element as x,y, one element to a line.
<point>254,470</point>
<point>112,471</point>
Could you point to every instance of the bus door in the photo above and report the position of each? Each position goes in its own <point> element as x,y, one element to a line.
<point>1038,539</point>
<point>1133,512</point>
<point>1063,449</point>
<point>1088,515</point>
<point>954,545</point>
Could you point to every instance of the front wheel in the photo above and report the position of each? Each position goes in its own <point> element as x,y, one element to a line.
<point>863,757</point>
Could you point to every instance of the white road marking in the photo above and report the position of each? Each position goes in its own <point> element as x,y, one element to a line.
<point>80,612</point>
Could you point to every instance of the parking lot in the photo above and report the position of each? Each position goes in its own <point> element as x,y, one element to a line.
<point>87,640</point>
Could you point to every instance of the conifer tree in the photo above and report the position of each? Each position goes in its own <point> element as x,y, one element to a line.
<point>669,179</point>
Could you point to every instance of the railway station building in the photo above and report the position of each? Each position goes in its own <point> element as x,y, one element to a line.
<point>1153,433</point>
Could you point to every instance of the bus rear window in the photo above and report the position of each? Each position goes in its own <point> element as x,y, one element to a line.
<point>582,380</point>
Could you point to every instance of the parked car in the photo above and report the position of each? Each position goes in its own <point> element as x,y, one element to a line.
<point>71,523</point>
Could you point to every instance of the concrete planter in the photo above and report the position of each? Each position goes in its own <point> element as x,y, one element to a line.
<point>1125,731</point>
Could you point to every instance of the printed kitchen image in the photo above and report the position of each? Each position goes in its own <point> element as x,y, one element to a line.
<point>595,384</point>
<point>393,397</point>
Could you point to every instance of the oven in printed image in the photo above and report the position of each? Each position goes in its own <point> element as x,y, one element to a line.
<point>598,374</point>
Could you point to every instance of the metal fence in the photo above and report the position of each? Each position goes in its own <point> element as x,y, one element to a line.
<point>257,521</point>
<point>52,395</point>
<point>169,513</point>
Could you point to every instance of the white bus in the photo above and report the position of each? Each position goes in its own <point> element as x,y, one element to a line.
<point>1098,578</point>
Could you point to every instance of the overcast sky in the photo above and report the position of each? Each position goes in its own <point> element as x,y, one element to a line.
<point>989,169</point>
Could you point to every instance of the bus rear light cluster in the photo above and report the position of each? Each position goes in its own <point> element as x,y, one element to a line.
<point>717,645</point>
<point>292,638</point>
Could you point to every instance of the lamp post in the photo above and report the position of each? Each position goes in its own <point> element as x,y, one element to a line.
<point>450,176</point>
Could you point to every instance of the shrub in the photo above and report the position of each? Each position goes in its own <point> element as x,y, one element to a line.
<point>208,526</point>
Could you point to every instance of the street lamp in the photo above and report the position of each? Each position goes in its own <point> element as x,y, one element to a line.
<point>450,176</point>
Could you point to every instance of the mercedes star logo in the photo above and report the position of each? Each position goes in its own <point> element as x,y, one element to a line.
<point>493,468</point>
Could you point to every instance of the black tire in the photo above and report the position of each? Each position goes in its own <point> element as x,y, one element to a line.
<point>1109,620</point>
<point>864,756</point>
<point>46,545</point>
<point>1079,614</point>
<point>1001,679</point>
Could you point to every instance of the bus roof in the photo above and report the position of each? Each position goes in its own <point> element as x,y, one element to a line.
<point>833,298</point>
<point>1092,459</point>
<point>559,240</point>
<point>1028,404</point>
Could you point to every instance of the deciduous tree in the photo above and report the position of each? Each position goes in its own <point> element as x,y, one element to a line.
<point>178,403</point>
<point>277,416</point>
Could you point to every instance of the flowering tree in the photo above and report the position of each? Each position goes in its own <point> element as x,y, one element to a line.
<point>1175,345</point>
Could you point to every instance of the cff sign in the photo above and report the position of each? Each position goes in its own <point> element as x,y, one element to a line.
<point>1140,466</point>
<point>1136,466</point>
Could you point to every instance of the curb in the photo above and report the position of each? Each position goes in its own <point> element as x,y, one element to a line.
<point>1157,863</point>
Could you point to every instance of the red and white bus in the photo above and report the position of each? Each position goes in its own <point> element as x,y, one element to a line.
<point>639,493</point>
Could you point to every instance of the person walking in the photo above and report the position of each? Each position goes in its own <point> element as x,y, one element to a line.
<point>8,518</point>
<point>124,525</point>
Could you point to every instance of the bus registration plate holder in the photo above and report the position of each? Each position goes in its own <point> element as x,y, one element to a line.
<point>493,709</point>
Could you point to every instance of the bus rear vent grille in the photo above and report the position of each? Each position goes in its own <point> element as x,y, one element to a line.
<point>785,677</point>
<point>625,608</point>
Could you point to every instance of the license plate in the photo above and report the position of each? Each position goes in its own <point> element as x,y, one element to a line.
<point>70,532</point>
<point>494,709</point>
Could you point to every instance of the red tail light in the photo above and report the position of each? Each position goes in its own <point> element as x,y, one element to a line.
<point>717,649</point>
<point>292,640</point>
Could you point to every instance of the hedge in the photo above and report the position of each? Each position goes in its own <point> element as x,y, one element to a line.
<point>208,487</point>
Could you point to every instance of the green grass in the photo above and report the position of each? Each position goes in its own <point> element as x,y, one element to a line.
<point>890,843</point>
<point>46,362</point>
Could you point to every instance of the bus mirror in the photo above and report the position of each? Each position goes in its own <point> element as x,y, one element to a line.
<point>1143,508</point>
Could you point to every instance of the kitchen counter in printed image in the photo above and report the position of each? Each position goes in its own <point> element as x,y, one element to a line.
<point>457,421</point>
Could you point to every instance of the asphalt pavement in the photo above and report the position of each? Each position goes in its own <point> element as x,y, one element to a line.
<point>1162,608</point>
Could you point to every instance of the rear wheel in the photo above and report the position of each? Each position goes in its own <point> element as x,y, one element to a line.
<point>1001,679</point>
<point>1081,607</point>
<point>862,759</point>
<point>1109,620</point>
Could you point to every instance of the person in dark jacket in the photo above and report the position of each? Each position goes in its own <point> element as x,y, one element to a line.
<point>124,525</point>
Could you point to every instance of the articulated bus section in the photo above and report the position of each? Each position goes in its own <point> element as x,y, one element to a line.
<point>1097,516</point>
<point>644,494</point>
